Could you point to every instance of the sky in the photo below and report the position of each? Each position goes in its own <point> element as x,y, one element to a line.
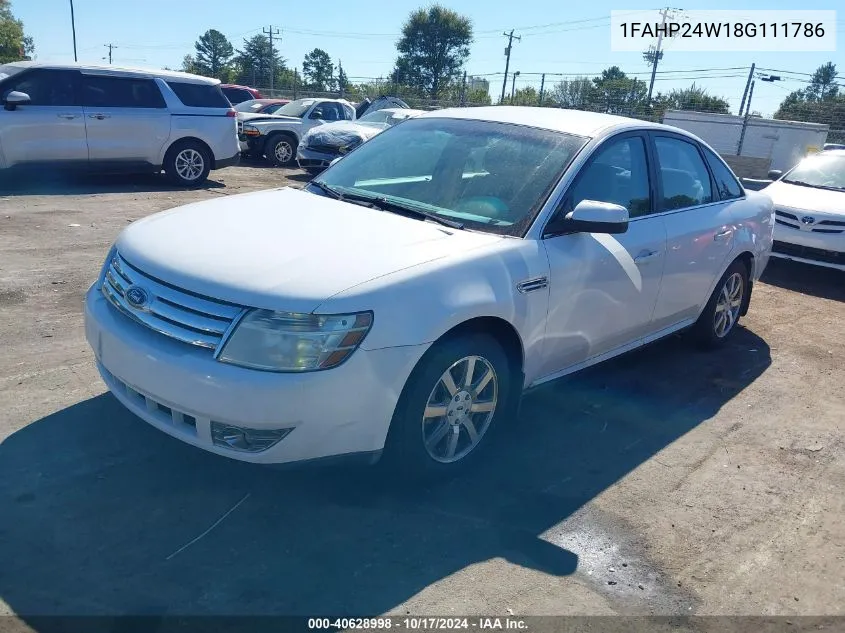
<point>557,37</point>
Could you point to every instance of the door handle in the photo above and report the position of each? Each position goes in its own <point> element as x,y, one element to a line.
<point>99,116</point>
<point>721,235</point>
<point>66,116</point>
<point>646,256</point>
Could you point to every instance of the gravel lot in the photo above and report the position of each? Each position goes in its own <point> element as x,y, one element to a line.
<point>668,481</point>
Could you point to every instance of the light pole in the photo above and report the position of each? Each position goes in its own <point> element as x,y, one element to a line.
<point>73,27</point>
<point>513,85</point>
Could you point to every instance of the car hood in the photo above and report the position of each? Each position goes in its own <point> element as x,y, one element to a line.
<point>257,117</point>
<point>341,133</point>
<point>808,199</point>
<point>283,249</point>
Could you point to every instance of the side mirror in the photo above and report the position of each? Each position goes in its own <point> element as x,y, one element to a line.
<point>591,216</point>
<point>15,98</point>
<point>316,114</point>
<point>774,174</point>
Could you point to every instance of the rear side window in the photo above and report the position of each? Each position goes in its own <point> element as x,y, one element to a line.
<point>726,183</point>
<point>120,92</point>
<point>683,174</point>
<point>199,95</point>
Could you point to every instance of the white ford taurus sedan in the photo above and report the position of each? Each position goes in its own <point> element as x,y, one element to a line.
<point>401,303</point>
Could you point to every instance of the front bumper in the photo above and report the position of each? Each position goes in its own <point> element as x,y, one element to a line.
<point>253,145</point>
<point>180,389</point>
<point>307,157</point>
<point>810,246</point>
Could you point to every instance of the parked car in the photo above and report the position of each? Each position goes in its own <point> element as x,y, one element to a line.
<point>809,205</point>
<point>401,303</point>
<point>257,107</point>
<point>238,94</point>
<point>115,119</point>
<point>322,144</point>
<point>277,136</point>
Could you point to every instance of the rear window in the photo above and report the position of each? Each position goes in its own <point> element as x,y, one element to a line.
<point>199,95</point>
<point>237,95</point>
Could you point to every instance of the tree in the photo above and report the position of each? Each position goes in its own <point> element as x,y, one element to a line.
<point>577,94</point>
<point>256,62</point>
<point>14,45</point>
<point>526,96</point>
<point>214,54</point>
<point>620,94</point>
<point>189,65</point>
<point>692,98</point>
<point>820,102</point>
<point>318,70</point>
<point>342,80</point>
<point>432,50</point>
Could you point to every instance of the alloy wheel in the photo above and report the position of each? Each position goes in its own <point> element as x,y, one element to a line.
<point>189,164</point>
<point>728,305</point>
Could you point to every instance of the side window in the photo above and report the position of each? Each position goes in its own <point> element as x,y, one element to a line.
<point>683,174</point>
<point>46,87</point>
<point>120,92</point>
<point>726,182</point>
<point>195,95</point>
<point>618,174</point>
<point>348,112</point>
<point>331,111</point>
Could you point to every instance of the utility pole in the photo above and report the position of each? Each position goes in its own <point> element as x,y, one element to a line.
<point>339,77</point>
<point>657,53</point>
<point>745,120</point>
<point>510,37</point>
<point>542,85</point>
<point>295,76</point>
<point>110,47</point>
<point>513,85</point>
<point>270,35</point>
<point>747,85</point>
<point>73,28</point>
<point>464,90</point>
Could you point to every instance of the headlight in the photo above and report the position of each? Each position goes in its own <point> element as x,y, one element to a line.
<point>250,130</point>
<point>285,341</point>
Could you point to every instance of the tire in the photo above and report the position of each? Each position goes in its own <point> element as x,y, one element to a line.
<point>280,150</point>
<point>422,442</point>
<point>187,163</point>
<point>712,330</point>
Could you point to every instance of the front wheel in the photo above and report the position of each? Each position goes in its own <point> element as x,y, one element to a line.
<point>455,397</point>
<point>281,150</point>
<point>187,163</point>
<point>723,310</point>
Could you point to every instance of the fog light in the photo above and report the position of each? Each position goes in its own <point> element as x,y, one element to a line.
<point>247,440</point>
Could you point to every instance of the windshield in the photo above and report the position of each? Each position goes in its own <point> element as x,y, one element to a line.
<point>248,106</point>
<point>295,108</point>
<point>379,116</point>
<point>488,176</point>
<point>825,171</point>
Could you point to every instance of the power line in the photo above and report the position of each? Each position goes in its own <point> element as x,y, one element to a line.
<point>110,47</point>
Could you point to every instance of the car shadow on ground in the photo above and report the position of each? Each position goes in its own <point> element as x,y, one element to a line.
<point>102,513</point>
<point>818,281</point>
<point>65,184</point>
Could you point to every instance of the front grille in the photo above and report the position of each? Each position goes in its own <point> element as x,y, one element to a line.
<point>808,252</point>
<point>185,316</point>
<point>793,222</point>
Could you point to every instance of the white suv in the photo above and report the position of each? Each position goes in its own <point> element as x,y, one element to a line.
<point>115,119</point>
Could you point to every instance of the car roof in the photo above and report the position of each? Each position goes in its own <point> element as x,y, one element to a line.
<point>120,71</point>
<point>576,122</point>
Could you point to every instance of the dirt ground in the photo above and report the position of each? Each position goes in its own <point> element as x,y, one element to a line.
<point>668,481</point>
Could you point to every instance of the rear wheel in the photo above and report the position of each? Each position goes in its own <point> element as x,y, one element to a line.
<point>723,310</point>
<point>281,150</point>
<point>456,396</point>
<point>187,163</point>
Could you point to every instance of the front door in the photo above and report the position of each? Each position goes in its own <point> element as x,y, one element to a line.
<point>603,288</point>
<point>51,127</point>
<point>126,118</point>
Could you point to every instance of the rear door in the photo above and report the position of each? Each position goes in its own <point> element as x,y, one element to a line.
<point>699,228</point>
<point>126,118</point>
<point>51,127</point>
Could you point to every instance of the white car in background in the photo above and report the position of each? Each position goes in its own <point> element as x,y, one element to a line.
<point>810,211</point>
<point>402,302</point>
<point>110,119</point>
<point>322,144</point>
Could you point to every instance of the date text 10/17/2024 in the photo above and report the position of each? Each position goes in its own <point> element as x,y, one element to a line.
<point>408,623</point>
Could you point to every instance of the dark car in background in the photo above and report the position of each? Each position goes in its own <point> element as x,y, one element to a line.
<point>238,94</point>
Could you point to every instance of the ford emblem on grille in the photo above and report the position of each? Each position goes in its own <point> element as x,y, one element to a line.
<point>808,219</point>
<point>137,297</point>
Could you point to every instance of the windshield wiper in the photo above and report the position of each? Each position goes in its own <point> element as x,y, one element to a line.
<point>801,183</point>
<point>395,207</point>
<point>334,193</point>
